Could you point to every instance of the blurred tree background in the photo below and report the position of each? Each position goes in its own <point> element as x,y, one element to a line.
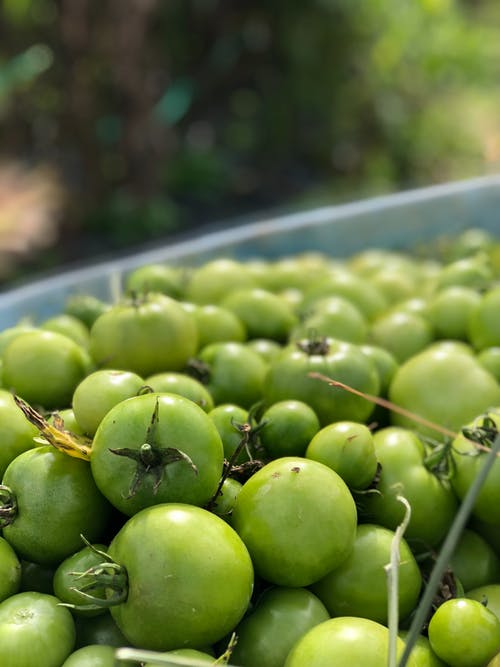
<point>124,122</point>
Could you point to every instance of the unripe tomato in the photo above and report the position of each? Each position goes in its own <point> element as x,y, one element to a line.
<point>298,520</point>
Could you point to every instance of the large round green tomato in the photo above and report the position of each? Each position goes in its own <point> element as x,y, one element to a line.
<point>99,392</point>
<point>10,570</point>
<point>401,455</point>
<point>484,330</point>
<point>298,520</point>
<point>344,642</point>
<point>358,586</point>
<point>16,432</point>
<point>464,633</point>
<point>44,367</point>
<point>422,654</point>
<point>289,378</point>
<point>288,427</point>
<point>151,334</point>
<point>57,501</point>
<point>160,278</point>
<point>216,324</point>
<point>444,386</point>
<point>279,619</point>
<point>68,325</point>
<point>333,316</point>
<point>35,631</point>
<point>190,577</point>
<point>170,382</point>
<point>156,448</point>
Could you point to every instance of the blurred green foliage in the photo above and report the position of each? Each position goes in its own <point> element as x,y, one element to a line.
<point>162,115</point>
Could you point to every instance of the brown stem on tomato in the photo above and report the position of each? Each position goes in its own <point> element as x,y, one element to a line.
<point>8,506</point>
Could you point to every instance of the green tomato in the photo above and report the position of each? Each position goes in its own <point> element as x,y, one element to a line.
<point>489,358</point>
<point>422,654</point>
<point>35,631</point>
<point>468,460</point>
<point>402,455</point>
<point>16,432</point>
<point>70,326</point>
<point>98,392</point>
<point>297,519</point>
<point>85,307</point>
<point>288,427</point>
<point>232,373</point>
<point>268,349</point>
<point>385,364</point>
<point>358,586</point>
<point>346,447</point>
<point>217,324</point>
<point>56,500</point>
<point>344,642</point>
<point>92,656</point>
<point>156,448</point>
<point>190,577</point>
<point>226,499</point>
<point>474,272</point>
<point>209,283</point>
<point>170,382</point>
<point>289,378</point>
<point>402,333</point>
<point>484,330</point>
<point>431,384</point>
<point>67,574</point>
<point>44,367</point>
<point>8,335</point>
<point>101,630</point>
<point>148,335</point>
<point>333,316</point>
<point>488,595</point>
<point>159,278</point>
<point>229,420</point>
<point>263,313</point>
<point>280,617</point>
<point>10,570</point>
<point>474,561</point>
<point>464,633</point>
<point>449,310</point>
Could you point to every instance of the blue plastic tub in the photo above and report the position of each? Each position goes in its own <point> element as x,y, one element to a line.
<point>396,221</point>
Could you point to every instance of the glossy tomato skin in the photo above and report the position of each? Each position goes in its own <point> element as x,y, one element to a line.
<point>431,384</point>
<point>151,334</point>
<point>190,577</point>
<point>468,460</point>
<point>344,642</point>
<point>44,367</point>
<point>279,619</point>
<point>298,520</point>
<point>91,656</point>
<point>182,425</point>
<point>401,454</point>
<point>10,570</point>
<point>464,633</point>
<point>44,631</point>
<point>16,432</point>
<point>358,587</point>
<point>289,378</point>
<point>57,501</point>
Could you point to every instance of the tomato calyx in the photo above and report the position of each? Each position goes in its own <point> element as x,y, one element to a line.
<point>150,458</point>
<point>249,434</point>
<point>314,345</point>
<point>8,506</point>
<point>107,576</point>
<point>77,446</point>
<point>199,370</point>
